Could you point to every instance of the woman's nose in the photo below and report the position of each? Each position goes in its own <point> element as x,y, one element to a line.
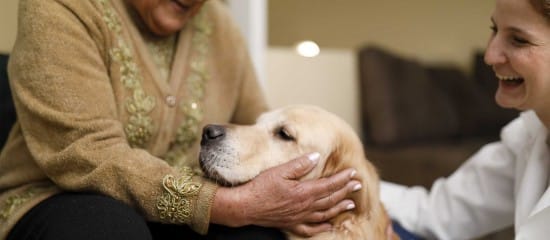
<point>494,54</point>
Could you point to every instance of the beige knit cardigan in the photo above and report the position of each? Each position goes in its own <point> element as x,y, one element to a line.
<point>95,115</point>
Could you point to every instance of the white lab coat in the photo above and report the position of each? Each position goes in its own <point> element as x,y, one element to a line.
<point>504,183</point>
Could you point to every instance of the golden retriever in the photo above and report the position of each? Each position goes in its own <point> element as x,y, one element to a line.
<point>234,154</point>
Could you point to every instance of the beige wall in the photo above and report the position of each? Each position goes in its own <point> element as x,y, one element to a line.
<point>328,81</point>
<point>8,24</point>
<point>431,30</point>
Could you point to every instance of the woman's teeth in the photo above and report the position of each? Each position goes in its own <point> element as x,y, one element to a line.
<point>511,81</point>
<point>509,78</point>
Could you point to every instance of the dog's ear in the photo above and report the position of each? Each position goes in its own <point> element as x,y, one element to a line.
<point>350,154</point>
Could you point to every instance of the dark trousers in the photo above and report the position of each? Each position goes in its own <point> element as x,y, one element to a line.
<point>91,216</point>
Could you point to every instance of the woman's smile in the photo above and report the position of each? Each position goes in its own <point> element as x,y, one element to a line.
<point>510,81</point>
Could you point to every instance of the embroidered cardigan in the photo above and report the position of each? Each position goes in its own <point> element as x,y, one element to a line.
<point>96,114</point>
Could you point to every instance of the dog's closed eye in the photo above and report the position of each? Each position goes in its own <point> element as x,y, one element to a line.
<point>283,133</point>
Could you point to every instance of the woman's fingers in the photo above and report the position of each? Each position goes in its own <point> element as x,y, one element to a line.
<point>299,167</point>
<point>324,187</point>
<point>326,214</point>
<point>337,196</point>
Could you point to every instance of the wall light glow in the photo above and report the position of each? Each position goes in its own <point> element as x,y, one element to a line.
<point>308,49</point>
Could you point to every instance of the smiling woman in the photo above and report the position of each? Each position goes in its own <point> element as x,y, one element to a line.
<point>506,182</point>
<point>517,51</point>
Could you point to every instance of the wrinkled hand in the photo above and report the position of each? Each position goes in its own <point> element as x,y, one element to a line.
<point>276,198</point>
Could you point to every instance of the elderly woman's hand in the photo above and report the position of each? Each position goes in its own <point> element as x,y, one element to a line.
<point>276,198</point>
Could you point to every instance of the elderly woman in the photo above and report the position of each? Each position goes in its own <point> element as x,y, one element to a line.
<point>111,96</point>
<point>507,182</point>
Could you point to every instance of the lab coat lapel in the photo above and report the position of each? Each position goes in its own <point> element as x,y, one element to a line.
<point>533,194</point>
<point>534,182</point>
<point>544,201</point>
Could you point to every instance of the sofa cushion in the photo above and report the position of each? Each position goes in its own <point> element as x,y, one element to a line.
<point>404,101</point>
<point>400,103</point>
<point>469,102</point>
<point>7,110</point>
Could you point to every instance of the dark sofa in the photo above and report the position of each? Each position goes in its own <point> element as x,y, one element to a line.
<point>7,111</point>
<point>421,121</point>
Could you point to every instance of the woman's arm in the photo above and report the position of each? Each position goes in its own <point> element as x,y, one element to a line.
<point>474,200</point>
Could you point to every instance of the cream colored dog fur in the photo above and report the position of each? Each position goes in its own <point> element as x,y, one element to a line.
<point>234,154</point>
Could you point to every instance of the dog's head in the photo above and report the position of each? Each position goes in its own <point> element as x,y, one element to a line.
<point>234,154</point>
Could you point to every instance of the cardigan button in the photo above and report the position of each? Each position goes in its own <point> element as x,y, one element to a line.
<point>171,100</point>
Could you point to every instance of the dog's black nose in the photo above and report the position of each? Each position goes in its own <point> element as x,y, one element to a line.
<point>212,133</point>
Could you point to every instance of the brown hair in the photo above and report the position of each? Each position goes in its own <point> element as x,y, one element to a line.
<point>542,6</point>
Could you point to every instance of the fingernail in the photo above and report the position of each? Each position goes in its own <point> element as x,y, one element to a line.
<point>352,174</point>
<point>314,157</point>
<point>357,187</point>
<point>350,206</point>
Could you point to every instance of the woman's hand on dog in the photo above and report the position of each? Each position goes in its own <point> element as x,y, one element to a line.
<point>276,198</point>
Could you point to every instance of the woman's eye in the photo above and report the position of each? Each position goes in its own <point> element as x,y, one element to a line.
<point>284,134</point>
<point>493,29</point>
<point>519,41</point>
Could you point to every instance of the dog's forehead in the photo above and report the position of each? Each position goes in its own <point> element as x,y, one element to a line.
<point>292,114</point>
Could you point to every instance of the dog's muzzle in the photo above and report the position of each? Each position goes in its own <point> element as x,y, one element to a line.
<point>213,156</point>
